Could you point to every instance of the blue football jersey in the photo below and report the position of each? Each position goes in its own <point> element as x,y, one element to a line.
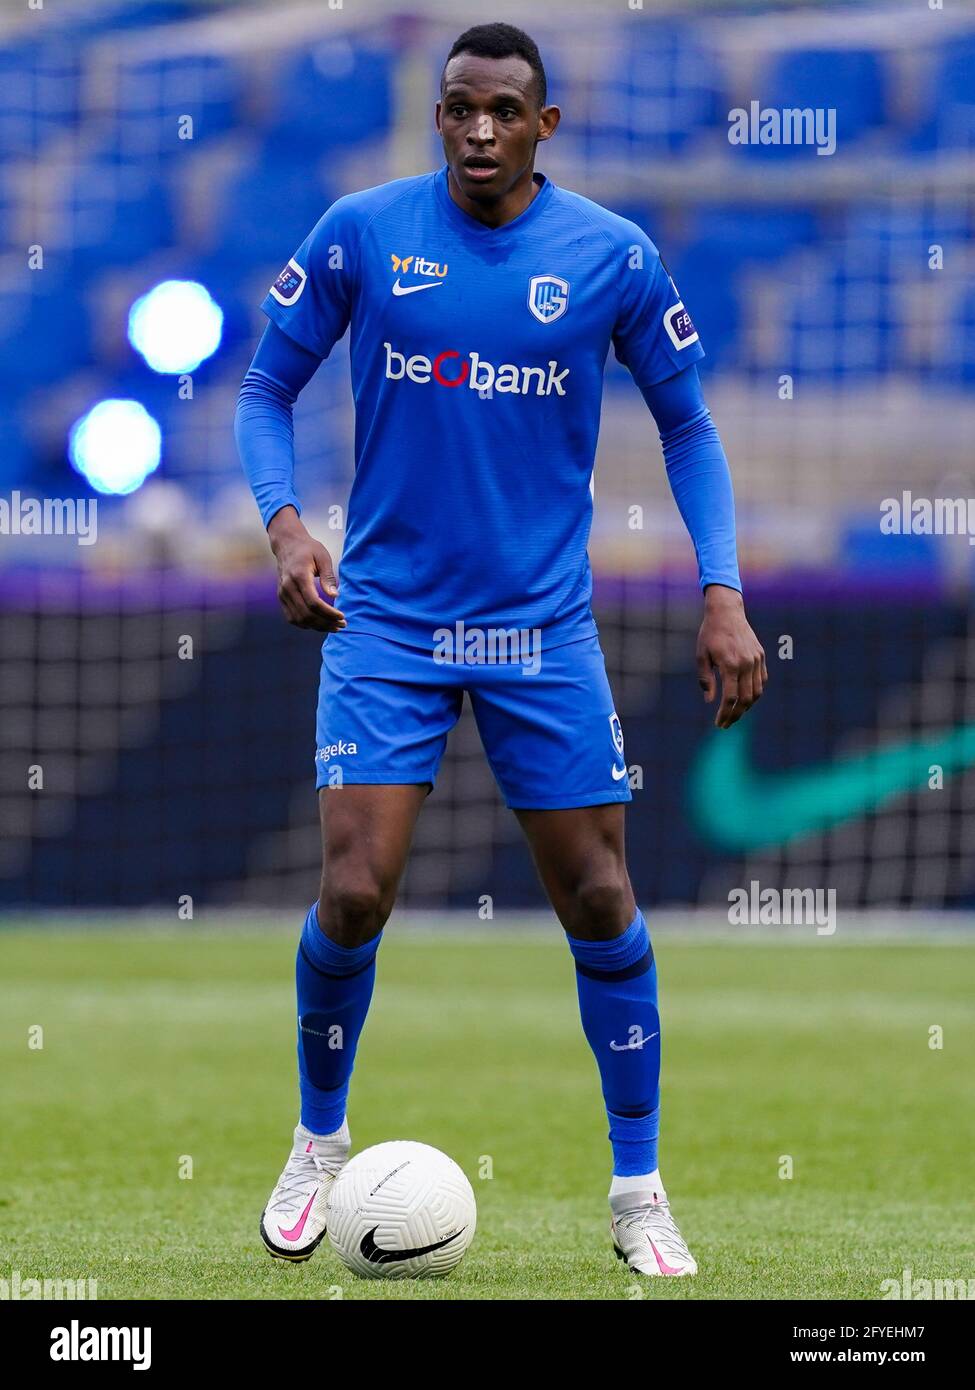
<point>477,359</point>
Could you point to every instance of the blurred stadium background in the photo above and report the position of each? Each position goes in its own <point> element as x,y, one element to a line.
<point>144,143</point>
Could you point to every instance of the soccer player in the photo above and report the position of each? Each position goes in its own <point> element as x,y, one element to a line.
<point>482,300</point>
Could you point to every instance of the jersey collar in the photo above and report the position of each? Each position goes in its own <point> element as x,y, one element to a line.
<point>472,227</point>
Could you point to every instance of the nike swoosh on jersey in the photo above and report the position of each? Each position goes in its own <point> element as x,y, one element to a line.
<point>772,808</point>
<point>618,773</point>
<point>376,1255</point>
<point>399,289</point>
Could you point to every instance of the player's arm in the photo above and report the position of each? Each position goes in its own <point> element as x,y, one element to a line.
<point>700,480</point>
<point>655,338</point>
<point>264,429</point>
<point>309,307</point>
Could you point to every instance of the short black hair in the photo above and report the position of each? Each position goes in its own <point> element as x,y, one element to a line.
<point>502,41</point>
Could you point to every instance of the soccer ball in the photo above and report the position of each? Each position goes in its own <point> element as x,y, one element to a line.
<point>401,1210</point>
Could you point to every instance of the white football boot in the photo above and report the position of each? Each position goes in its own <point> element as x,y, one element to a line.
<point>293,1222</point>
<point>645,1235</point>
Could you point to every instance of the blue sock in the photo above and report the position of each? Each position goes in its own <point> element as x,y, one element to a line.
<point>617,984</point>
<point>334,989</point>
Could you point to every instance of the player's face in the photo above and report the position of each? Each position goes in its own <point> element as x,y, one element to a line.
<point>490,122</point>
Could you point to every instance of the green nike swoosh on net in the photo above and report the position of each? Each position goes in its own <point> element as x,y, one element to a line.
<point>738,807</point>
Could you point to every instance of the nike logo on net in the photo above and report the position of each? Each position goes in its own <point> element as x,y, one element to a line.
<point>399,289</point>
<point>632,1046</point>
<point>772,808</point>
<point>376,1255</point>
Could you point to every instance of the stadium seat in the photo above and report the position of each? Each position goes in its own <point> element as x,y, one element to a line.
<point>110,212</point>
<point>39,94</point>
<point>707,280</point>
<point>948,109</point>
<point>853,82</point>
<point>92,20</point>
<point>15,456</point>
<point>661,93</point>
<point>865,550</point>
<point>269,210</point>
<point>756,232</point>
<point>907,229</point>
<point>839,316</point>
<point>335,96</point>
<point>154,95</point>
<point>30,354</point>
<point>959,363</point>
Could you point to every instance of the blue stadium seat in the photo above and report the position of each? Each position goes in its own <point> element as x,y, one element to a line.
<point>709,268</point>
<point>851,81</point>
<point>8,212</point>
<point>709,284</point>
<point>41,77</point>
<point>908,228</point>
<point>661,94</point>
<point>754,233</point>
<point>269,210</point>
<point>15,456</point>
<point>865,550</point>
<point>115,211</point>
<point>959,363</point>
<point>337,95</point>
<point>103,18</point>
<point>900,234</point>
<point>948,112</point>
<point>839,319</point>
<point>40,83</point>
<point>44,330</point>
<point>646,217</point>
<point>154,95</point>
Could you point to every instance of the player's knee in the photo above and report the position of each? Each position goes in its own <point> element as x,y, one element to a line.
<point>353,907</point>
<point>599,905</point>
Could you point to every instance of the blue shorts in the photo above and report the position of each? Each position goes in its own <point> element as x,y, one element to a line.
<point>548,725</point>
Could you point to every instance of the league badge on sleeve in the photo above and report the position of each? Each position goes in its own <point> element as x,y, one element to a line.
<point>288,286</point>
<point>679,326</point>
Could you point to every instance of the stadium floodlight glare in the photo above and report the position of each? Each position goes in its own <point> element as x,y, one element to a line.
<point>176,326</point>
<point>115,446</point>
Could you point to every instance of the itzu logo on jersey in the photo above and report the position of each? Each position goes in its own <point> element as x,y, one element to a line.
<point>417,265</point>
<point>432,271</point>
<point>449,369</point>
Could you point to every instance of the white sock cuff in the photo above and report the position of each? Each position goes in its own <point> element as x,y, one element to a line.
<point>642,1182</point>
<point>338,1136</point>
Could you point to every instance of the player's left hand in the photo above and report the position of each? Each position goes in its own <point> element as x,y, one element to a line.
<point>726,643</point>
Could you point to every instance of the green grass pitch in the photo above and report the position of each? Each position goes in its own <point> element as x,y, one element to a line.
<point>160,1046</point>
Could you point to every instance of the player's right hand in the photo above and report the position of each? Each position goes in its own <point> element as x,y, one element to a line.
<point>305,572</point>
